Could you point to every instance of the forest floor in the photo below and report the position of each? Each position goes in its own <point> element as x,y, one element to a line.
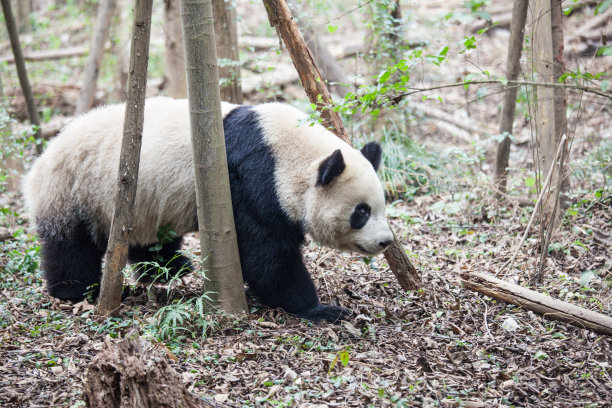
<point>442,345</point>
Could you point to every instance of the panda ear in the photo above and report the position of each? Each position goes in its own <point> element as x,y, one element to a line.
<point>330,168</point>
<point>373,152</point>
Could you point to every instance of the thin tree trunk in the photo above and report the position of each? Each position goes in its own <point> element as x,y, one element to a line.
<point>127,176</point>
<point>24,9</point>
<point>541,304</point>
<point>551,121</point>
<point>22,73</point>
<point>325,61</point>
<point>280,18</point>
<point>103,22</point>
<point>226,35</point>
<point>121,48</point>
<point>513,67</point>
<point>175,76</point>
<point>214,201</point>
<point>331,70</point>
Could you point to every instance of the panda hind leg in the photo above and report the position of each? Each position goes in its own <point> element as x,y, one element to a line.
<point>71,260</point>
<point>172,263</point>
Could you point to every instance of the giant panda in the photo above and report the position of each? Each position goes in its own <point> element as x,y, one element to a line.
<point>288,178</point>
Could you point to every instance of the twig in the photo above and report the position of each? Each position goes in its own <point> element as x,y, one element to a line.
<point>535,210</point>
<point>509,82</point>
<point>544,248</point>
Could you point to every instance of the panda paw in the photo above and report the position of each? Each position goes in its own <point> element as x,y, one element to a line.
<point>332,314</point>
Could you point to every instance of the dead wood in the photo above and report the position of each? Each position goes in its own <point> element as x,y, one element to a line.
<point>280,17</point>
<point>537,302</point>
<point>439,114</point>
<point>59,98</point>
<point>44,55</point>
<point>5,234</point>
<point>124,375</point>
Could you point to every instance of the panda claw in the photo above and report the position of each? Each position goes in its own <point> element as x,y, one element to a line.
<point>331,314</point>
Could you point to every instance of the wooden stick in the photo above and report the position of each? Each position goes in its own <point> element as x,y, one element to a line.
<point>280,17</point>
<point>551,224</point>
<point>541,304</point>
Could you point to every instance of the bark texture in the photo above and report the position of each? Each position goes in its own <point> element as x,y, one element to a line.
<point>226,36</point>
<point>513,67</point>
<point>121,225</point>
<point>280,17</point>
<point>541,304</point>
<point>22,73</point>
<point>175,76</point>
<point>551,121</point>
<point>125,376</point>
<point>101,29</point>
<point>24,8</point>
<point>214,201</point>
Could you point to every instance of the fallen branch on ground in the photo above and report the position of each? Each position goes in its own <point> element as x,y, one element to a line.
<point>537,302</point>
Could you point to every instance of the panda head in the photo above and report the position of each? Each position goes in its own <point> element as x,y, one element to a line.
<point>345,205</point>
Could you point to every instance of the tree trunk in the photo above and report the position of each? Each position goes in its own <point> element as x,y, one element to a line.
<point>517,33</point>
<point>327,64</point>
<point>226,35</point>
<point>127,176</point>
<point>175,76</point>
<point>551,121</point>
<point>331,70</point>
<point>21,69</point>
<point>541,304</point>
<point>280,18</point>
<point>103,22</point>
<point>213,196</point>
<point>24,9</point>
<point>121,48</point>
<point>125,376</point>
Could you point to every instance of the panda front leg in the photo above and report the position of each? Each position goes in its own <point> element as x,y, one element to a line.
<point>280,280</point>
<point>167,257</point>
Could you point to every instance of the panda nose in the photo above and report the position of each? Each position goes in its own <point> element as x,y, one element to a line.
<point>385,244</point>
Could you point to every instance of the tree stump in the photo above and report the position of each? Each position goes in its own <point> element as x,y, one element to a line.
<point>125,376</point>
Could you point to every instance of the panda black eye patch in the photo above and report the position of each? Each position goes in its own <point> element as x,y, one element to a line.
<point>360,216</point>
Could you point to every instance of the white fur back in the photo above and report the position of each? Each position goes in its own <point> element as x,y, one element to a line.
<point>79,169</point>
